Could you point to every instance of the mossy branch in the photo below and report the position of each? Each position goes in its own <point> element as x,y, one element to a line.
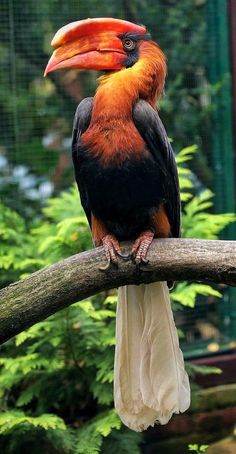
<point>51,289</point>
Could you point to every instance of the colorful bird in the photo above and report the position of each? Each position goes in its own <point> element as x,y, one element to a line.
<point>126,173</point>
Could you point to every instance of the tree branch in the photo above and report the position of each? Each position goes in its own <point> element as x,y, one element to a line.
<point>51,289</point>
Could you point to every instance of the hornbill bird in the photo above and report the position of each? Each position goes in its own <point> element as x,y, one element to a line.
<point>127,178</point>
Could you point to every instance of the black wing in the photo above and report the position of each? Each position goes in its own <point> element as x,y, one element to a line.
<point>81,123</point>
<point>149,125</point>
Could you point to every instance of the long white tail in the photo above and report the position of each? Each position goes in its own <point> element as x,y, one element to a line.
<point>150,381</point>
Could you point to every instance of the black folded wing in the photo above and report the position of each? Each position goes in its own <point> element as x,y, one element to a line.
<point>150,127</point>
<point>81,123</point>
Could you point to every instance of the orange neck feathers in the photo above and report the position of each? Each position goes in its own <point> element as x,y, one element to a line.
<point>119,90</point>
<point>112,135</point>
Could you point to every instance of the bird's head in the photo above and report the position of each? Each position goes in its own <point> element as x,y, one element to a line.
<point>100,44</point>
<point>107,44</point>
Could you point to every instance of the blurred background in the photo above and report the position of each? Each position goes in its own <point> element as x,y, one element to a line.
<point>41,221</point>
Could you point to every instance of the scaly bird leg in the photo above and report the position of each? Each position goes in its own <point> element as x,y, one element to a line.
<point>112,249</point>
<point>141,246</point>
<point>101,236</point>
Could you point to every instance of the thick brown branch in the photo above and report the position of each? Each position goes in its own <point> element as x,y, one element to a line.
<point>47,291</point>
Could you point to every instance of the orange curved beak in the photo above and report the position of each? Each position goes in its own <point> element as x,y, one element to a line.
<point>91,44</point>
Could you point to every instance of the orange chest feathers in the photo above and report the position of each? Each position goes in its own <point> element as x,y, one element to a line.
<point>114,141</point>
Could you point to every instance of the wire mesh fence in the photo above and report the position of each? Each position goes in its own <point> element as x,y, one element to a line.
<point>36,113</point>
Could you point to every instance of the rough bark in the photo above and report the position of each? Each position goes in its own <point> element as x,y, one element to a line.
<point>51,289</point>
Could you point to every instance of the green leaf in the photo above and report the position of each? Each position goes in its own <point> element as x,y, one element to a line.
<point>194,369</point>
<point>203,448</point>
<point>186,294</point>
<point>197,448</point>
<point>186,154</point>
<point>197,222</point>
<point>90,436</point>
<point>11,419</point>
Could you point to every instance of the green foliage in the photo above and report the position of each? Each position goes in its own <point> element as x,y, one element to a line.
<point>65,362</point>
<point>185,174</point>
<point>197,222</point>
<point>186,293</point>
<point>17,251</point>
<point>197,219</point>
<point>123,442</point>
<point>9,420</point>
<point>56,377</point>
<point>91,436</point>
<point>65,230</point>
<point>198,448</point>
<point>194,369</point>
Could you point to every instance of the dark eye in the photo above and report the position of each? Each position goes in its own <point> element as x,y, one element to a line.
<point>129,44</point>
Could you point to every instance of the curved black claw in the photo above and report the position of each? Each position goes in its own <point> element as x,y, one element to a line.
<point>144,261</point>
<point>133,257</point>
<point>140,262</point>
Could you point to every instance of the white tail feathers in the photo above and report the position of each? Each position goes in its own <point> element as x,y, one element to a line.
<point>150,381</point>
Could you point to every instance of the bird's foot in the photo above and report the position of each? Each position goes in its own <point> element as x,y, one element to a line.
<point>140,248</point>
<point>112,249</point>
